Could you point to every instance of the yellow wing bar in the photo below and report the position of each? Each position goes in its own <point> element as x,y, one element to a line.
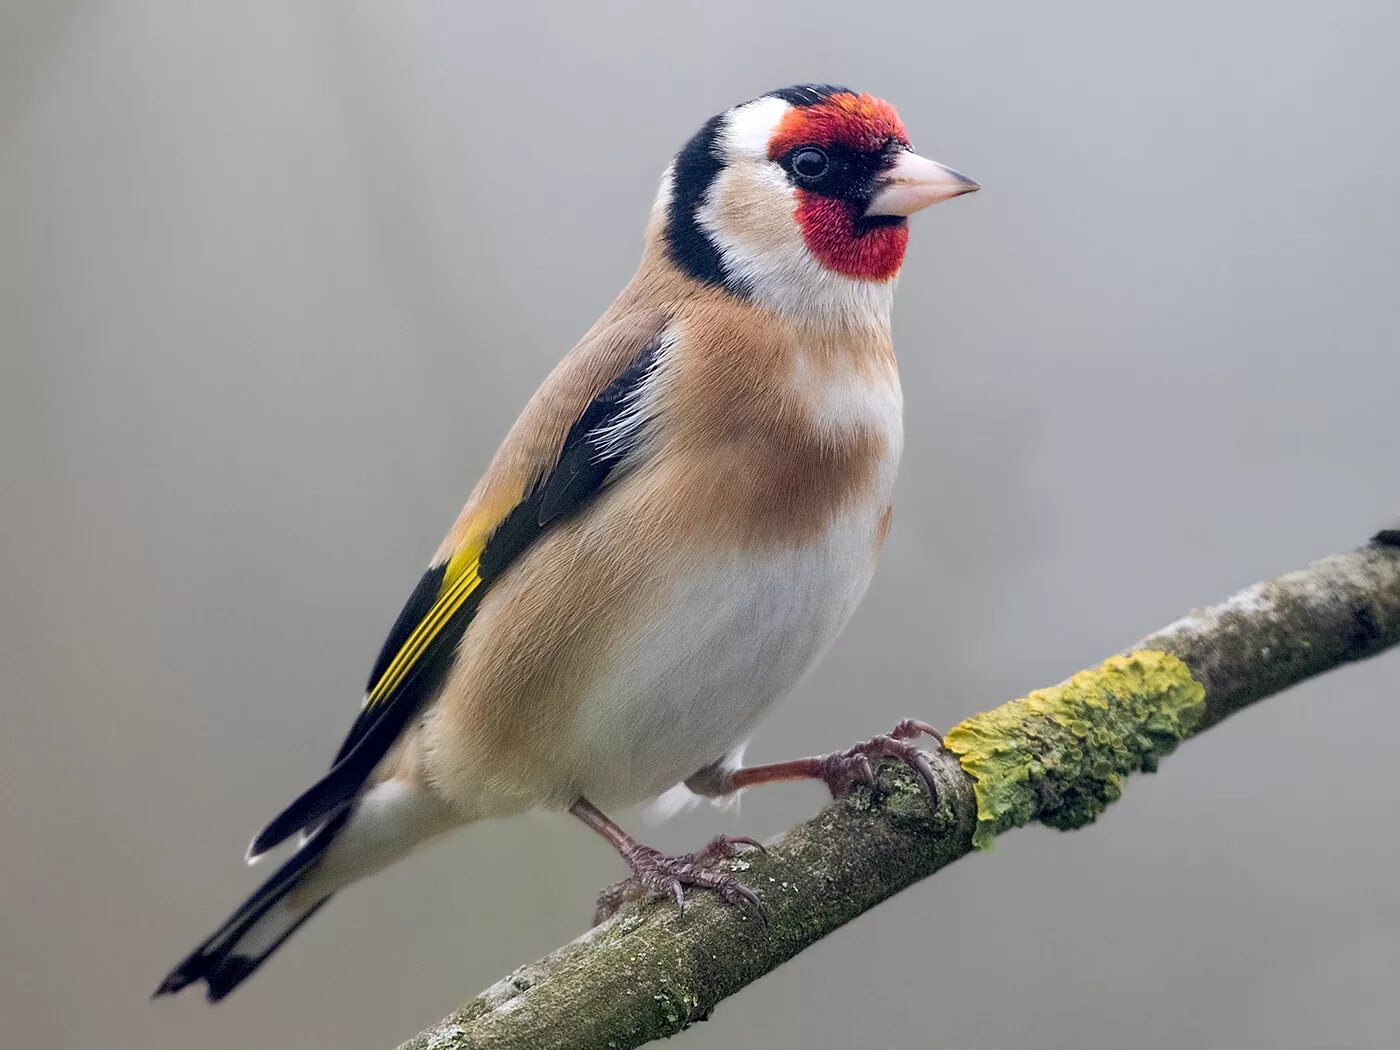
<point>451,599</point>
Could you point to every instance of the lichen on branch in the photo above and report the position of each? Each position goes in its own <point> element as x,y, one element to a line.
<point>1059,755</point>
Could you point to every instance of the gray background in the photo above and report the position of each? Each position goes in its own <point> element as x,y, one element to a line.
<point>275,278</point>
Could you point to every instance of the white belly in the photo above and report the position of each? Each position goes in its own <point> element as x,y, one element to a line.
<point>688,687</point>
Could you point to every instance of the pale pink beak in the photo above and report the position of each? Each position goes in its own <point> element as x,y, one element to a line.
<point>915,182</point>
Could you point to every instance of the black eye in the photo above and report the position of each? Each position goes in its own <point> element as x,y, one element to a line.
<point>809,162</point>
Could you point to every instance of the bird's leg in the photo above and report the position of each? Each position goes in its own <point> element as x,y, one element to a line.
<point>654,872</point>
<point>840,770</point>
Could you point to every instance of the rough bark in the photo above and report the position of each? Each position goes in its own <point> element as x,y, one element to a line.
<point>647,974</point>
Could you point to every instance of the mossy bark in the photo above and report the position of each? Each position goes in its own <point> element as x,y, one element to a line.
<point>647,974</point>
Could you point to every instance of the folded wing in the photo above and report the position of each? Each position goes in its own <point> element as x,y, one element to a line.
<point>586,424</point>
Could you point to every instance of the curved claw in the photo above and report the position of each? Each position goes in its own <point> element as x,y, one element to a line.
<point>751,899</point>
<point>842,769</point>
<point>892,747</point>
<point>912,729</point>
<point>920,765</point>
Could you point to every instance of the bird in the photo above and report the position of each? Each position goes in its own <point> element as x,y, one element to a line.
<point>680,522</point>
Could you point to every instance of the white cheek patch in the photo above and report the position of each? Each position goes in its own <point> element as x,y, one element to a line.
<point>749,215</point>
<point>749,212</point>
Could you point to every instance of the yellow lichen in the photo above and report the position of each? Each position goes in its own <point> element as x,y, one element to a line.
<point>1059,755</point>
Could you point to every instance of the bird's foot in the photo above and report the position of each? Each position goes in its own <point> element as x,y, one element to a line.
<point>654,872</point>
<point>842,770</point>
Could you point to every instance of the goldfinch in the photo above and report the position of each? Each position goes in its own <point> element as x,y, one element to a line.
<point>678,525</point>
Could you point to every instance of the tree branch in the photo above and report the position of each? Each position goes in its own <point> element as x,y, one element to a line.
<point>1058,755</point>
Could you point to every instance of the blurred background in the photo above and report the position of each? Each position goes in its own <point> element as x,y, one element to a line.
<point>275,279</point>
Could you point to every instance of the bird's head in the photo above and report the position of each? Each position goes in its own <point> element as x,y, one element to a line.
<point>799,200</point>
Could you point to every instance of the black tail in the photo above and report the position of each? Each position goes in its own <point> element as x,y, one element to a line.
<point>258,927</point>
<point>374,733</point>
<point>327,795</point>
